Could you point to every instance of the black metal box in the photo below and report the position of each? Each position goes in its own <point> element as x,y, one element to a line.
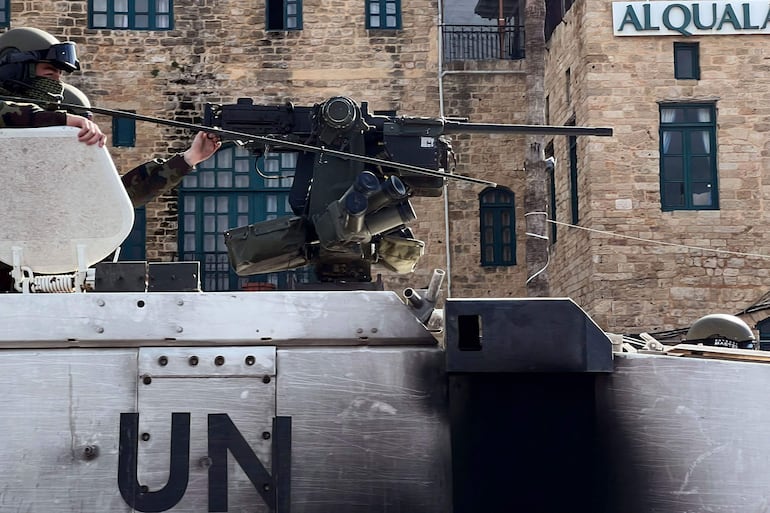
<point>523,335</point>
<point>174,277</point>
<point>120,277</point>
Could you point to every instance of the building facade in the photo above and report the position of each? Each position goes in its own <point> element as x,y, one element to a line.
<point>650,228</point>
<point>675,199</point>
<point>169,58</point>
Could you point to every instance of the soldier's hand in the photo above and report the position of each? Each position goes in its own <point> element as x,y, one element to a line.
<point>204,146</point>
<point>89,133</point>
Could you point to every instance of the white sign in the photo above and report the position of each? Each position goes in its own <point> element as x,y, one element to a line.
<point>690,19</point>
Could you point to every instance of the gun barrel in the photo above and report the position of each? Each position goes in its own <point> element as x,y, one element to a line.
<point>495,128</point>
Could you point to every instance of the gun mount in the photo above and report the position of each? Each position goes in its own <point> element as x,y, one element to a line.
<point>348,213</point>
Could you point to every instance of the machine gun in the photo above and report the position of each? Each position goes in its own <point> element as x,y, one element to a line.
<point>348,213</point>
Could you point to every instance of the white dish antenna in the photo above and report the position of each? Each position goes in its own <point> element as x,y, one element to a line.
<point>61,201</point>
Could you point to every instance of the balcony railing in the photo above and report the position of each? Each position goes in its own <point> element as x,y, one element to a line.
<point>478,42</point>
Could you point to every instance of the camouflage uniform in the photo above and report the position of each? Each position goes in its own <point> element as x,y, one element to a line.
<point>153,178</point>
<point>29,115</point>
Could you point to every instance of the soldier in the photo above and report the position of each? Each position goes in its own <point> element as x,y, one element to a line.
<point>31,65</point>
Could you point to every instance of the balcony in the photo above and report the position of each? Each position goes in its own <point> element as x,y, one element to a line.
<point>482,42</point>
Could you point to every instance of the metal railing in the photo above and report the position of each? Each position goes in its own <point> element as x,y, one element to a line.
<point>478,42</point>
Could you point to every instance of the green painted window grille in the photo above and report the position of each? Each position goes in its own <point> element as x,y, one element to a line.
<point>131,14</point>
<point>573,178</point>
<point>232,189</point>
<point>5,13</point>
<point>552,206</point>
<point>763,327</point>
<point>552,189</point>
<point>123,132</point>
<point>283,14</point>
<point>498,227</point>
<point>134,247</point>
<point>688,164</point>
<point>686,61</point>
<point>383,14</point>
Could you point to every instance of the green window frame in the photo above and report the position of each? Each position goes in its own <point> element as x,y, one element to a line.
<point>687,61</point>
<point>688,163</point>
<point>551,168</point>
<point>497,227</point>
<point>131,14</point>
<point>123,132</point>
<point>283,15</point>
<point>573,178</point>
<point>134,248</point>
<point>5,13</point>
<point>231,189</point>
<point>763,327</point>
<point>552,206</point>
<point>383,14</point>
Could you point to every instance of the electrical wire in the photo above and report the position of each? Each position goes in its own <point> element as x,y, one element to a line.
<point>660,242</point>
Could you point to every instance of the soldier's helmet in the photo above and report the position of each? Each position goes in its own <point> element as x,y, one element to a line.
<point>722,330</point>
<point>76,101</point>
<point>21,48</point>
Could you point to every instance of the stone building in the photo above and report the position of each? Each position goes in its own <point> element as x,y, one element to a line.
<point>676,196</point>
<point>637,269</point>
<point>172,60</point>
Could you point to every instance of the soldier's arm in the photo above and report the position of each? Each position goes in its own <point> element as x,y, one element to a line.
<point>151,179</point>
<point>29,115</point>
<point>156,177</point>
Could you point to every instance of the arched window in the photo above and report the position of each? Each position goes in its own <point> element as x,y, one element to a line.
<point>233,189</point>
<point>498,227</point>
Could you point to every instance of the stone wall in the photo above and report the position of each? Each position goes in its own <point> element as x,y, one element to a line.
<point>631,285</point>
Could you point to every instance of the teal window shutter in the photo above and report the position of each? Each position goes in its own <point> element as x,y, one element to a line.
<point>573,178</point>
<point>763,327</point>
<point>686,61</point>
<point>134,247</point>
<point>123,132</point>
<point>283,15</point>
<point>497,227</point>
<point>131,14</point>
<point>552,201</point>
<point>383,14</point>
<point>5,13</point>
<point>688,163</point>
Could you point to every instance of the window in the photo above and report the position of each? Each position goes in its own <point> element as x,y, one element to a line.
<point>134,247</point>
<point>498,230</point>
<point>123,132</point>
<point>688,169</point>
<point>5,13</point>
<point>284,14</point>
<point>686,61</point>
<point>383,14</point>
<point>225,192</point>
<point>551,169</point>
<point>130,14</point>
<point>554,13</point>
<point>573,177</point>
<point>763,327</point>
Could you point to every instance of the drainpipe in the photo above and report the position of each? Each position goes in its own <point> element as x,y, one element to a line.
<point>441,115</point>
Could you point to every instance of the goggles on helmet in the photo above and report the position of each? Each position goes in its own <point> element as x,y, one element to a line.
<point>61,55</point>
